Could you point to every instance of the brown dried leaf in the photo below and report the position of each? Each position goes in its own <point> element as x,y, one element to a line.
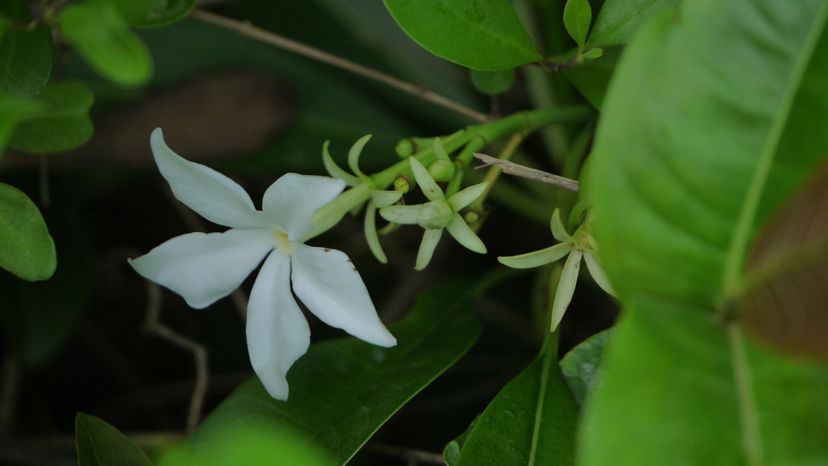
<point>786,301</point>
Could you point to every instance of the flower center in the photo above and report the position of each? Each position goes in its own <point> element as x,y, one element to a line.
<point>282,241</point>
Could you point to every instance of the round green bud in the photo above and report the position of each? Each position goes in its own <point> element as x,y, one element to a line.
<point>471,217</point>
<point>404,148</point>
<point>441,170</point>
<point>402,184</point>
<point>434,215</point>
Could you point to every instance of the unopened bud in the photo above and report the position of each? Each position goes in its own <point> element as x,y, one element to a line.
<point>402,184</point>
<point>404,148</point>
<point>441,170</point>
<point>471,217</point>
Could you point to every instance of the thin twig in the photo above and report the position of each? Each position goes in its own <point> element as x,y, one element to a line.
<point>245,28</point>
<point>511,168</point>
<point>153,324</point>
<point>411,455</point>
<point>495,169</point>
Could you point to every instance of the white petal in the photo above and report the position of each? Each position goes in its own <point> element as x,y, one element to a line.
<point>291,201</point>
<point>425,181</point>
<point>401,214</point>
<point>598,273</point>
<point>464,235</point>
<point>205,267</point>
<point>431,238</point>
<point>211,194</point>
<point>277,332</point>
<point>328,283</point>
<point>465,197</point>
<point>565,289</point>
<point>536,258</point>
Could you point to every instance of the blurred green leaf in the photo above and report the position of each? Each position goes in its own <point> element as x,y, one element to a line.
<point>100,444</point>
<point>61,124</point>
<point>103,38</point>
<point>253,445</point>
<point>619,19</point>
<point>592,77</point>
<point>25,53</point>
<point>492,82</point>
<point>343,390</point>
<point>483,35</point>
<point>577,17</point>
<point>723,133</point>
<point>26,248</point>
<point>12,111</point>
<point>153,13</point>
<point>582,365</point>
<point>530,422</point>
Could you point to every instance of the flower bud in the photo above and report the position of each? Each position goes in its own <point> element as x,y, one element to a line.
<point>441,170</point>
<point>402,184</point>
<point>404,148</point>
<point>434,215</point>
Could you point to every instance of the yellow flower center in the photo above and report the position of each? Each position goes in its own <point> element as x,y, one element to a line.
<point>282,241</point>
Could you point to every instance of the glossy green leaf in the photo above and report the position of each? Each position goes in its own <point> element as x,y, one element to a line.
<point>25,54</point>
<point>153,13</point>
<point>253,445</point>
<point>723,133</point>
<point>61,124</point>
<point>100,444</point>
<point>619,19</point>
<point>493,82</point>
<point>582,365</point>
<point>577,17</point>
<point>482,35</point>
<point>26,248</point>
<point>343,390</point>
<point>103,39</point>
<point>530,422</point>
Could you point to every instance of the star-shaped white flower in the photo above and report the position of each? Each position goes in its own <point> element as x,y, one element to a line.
<point>205,267</point>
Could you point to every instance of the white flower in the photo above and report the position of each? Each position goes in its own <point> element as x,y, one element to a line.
<point>204,268</point>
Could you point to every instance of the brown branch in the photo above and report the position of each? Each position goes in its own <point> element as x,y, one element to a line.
<point>153,324</point>
<point>245,28</point>
<point>514,169</point>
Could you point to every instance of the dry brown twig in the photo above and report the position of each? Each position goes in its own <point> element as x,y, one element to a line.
<point>153,325</point>
<point>245,28</point>
<point>514,169</point>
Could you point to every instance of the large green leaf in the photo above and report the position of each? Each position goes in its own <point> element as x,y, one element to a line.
<point>26,248</point>
<point>253,445</point>
<point>62,123</point>
<point>482,35</point>
<point>343,390</point>
<point>729,104</point>
<point>618,20</point>
<point>531,422</point>
<point>582,366</point>
<point>25,53</point>
<point>100,444</point>
<point>99,33</point>
<point>12,111</point>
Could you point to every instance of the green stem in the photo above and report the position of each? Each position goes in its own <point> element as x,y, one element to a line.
<point>522,122</point>
<point>494,171</point>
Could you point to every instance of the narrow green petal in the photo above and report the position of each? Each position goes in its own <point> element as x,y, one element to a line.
<point>536,258</point>
<point>370,228</point>
<point>464,235</point>
<point>597,273</point>
<point>402,214</point>
<point>467,196</point>
<point>427,247</point>
<point>385,198</point>
<point>355,152</point>
<point>333,169</point>
<point>425,181</point>
<point>439,151</point>
<point>566,288</point>
<point>558,230</point>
